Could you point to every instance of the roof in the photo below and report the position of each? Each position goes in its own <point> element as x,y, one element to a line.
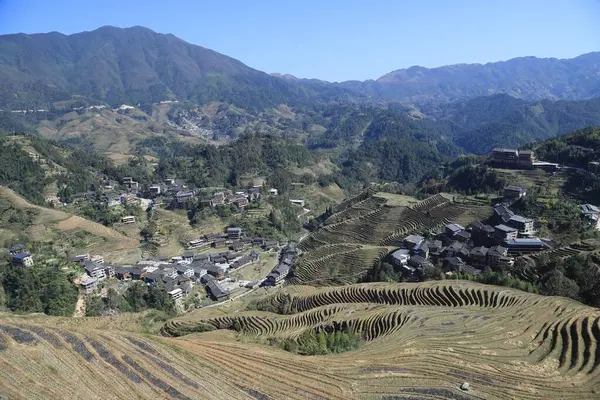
<point>585,208</point>
<point>185,194</point>
<point>216,289</point>
<point>520,218</point>
<point>234,229</point>
<point>505,228</point>
<point>182,268</point>
<point>414,239</point>
<point>470,270</point>
<point>454,227</point>
<point>91,266</point>
<point>454,260</point>
<point>497,251</point>
<point>400,254</point>
<point>464,234</point>
<point>526,242</point>
<point>188,254</point>
<point>478,225</point>
<point>481,250</point>
<point>525,152</point>
<point>503,150</point>
<point>16,247</point>
<point>21,256</point>
<point>418,260</point>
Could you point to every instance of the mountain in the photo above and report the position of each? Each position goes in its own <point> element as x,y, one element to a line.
<point>132,66</point>
<point>528,78</point>
<point>477,125</point>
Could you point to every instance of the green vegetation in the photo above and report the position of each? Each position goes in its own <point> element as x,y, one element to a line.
<point>45,287</point>
<point>312,343</point>
<point>140,297</point>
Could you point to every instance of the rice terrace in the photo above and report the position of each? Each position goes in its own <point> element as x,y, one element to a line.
<point>418,340</point>
<point>421,341</point>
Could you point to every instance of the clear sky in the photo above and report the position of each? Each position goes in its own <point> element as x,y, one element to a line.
<point>337,40</point>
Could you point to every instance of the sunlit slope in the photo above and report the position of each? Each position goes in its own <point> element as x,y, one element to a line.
<point>421,341</point>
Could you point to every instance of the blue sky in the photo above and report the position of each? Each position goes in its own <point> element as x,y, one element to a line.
<point>337,39</point>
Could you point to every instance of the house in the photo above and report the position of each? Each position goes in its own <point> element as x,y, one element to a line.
<point>217,291</point>
<point>202,258</point>
<point>80,258</point>
<point>176,294</point>
<point>453,264</point>
<point>254,255</point>
<point>113,200</point>
<point>463,236</point>
<point>237,246</point>
<point>16,249</point>
<point>94,270</point>
<point>413,240</point>
<point>422,249</point>
<point>298,202</point>
<point>514,192</point>
<point>234,233</point>
<point>273,192</point>
<point>452,229</point>
<point>523,225</point>
<point>170,272</point>
<point>204,279</point>
<point>419,262</point>
<point>185,270</point>
<point>502,214</point>
<point>400,257</point>
<point>89,285</point>
<point>153,277</point>
<point>109,271</point>
<point>497,257</point>
<point>129,219</point>
<point>97,259</point>
<point>23,259</point>
<point>592,213</point>
<point>505,232</point>
<point>435,248</point>
<point>526,245</point>
<point>452,249</point>
<point>271,245</point>
<point>127,180</point>
<point>216,270</point>
<point>122,273</point>
<point>199,272</point>
<point>478,256</point>
<point>594,166</point>
<point>184,197</point>
<point>278,274</point>
<point>136,273</point>
<point>189,255</point>
<point>155,189</point>
<point>170,181</point>
<point>480,232</point>
<point>196,243</point>
<point>512,158</point>
<point>241,202</point>
<point>219,242</point>
<point>467,269</point>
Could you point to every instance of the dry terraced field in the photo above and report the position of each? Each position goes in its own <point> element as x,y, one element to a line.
<point>362,230</point>
<point>421,341</point>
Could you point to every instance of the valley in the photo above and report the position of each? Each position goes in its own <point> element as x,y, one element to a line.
<point>176,224</point>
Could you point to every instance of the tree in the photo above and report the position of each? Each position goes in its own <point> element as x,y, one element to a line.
<point>135,296</point>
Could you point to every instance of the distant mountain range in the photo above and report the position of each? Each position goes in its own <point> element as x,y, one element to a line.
<point>138,66</point>
<point>528,78</point>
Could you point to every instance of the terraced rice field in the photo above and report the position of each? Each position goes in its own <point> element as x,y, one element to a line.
<point>424,340</point>
<point>366,220</point>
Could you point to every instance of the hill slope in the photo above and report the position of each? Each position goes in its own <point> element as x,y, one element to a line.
<point>420,342</point>
<point>528,78</point>
<point>133,66</point>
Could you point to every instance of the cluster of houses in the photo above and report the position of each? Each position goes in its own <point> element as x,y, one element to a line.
<point>179,274</point>
<point>471,250</point>
<point>234,239</point>
<point>287,258</point>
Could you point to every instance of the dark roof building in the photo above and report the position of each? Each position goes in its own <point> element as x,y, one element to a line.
<point>217,291</point>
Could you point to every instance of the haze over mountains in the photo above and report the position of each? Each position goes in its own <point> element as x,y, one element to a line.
<point>137,65</point>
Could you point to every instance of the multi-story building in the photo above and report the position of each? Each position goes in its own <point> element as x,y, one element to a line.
<point>523,225</point>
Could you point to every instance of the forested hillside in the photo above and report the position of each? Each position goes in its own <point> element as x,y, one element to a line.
<point>529,78</point>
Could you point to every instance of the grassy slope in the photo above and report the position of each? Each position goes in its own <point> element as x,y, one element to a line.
<point>51,224</point>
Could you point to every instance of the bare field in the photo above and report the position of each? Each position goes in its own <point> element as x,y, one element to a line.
<point>420,341</point>
<point>100,239</point>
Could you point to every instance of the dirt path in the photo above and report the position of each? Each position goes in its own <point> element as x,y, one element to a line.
<point>80,305</point>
